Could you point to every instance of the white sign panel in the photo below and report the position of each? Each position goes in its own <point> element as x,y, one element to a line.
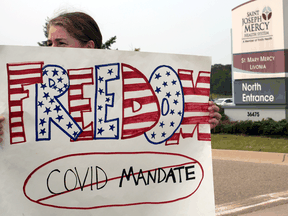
<point>96,132</point>
<point>258,26</point>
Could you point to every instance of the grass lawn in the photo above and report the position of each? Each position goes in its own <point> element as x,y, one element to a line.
<point>249,143</point>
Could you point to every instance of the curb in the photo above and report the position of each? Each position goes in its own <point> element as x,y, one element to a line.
<point>251,156</point>
<point>251,204</point>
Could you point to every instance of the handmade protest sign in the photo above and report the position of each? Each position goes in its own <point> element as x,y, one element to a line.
<point>96,132</point>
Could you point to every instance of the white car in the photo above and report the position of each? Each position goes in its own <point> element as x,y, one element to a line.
<point>224,101</point>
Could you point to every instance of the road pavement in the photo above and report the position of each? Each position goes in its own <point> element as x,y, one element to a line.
<point>279,210</point>
<point>257,186</point>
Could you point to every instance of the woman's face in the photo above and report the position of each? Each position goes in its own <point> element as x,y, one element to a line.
<point>59,37</point>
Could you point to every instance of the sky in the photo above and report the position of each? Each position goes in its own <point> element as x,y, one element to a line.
<point>162,26</point>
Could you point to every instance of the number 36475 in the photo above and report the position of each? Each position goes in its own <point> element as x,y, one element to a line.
<point>253,114</point>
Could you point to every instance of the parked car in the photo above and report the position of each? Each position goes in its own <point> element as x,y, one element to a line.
<point>224,101</point>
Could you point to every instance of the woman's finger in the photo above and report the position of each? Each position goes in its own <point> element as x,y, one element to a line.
<point>1,126</point>
<point>2,118</point>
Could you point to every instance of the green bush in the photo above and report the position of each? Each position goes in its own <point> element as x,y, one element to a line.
<point>224,116</point>
<point>265,127</point>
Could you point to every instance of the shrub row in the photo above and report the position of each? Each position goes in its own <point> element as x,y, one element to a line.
<point>267,127</point>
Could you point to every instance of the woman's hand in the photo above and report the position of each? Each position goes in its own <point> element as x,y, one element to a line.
<point>214,115</point>
<point>1,131</point>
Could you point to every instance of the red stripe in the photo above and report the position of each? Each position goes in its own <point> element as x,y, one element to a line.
<point>77,87</point>
<point>187,135</point>
<point>16,114</point>
<point>26,81</point>
<point>143,100</point>
<point>77,119</point>
<point>145,117</point>
<point>16,124</point>
<point>128,132</point>
<point>135,87</point>
<point>185,76</point>
<point>188,91</point>
<point>81,76</point>
<point>203,80</point>
<point>30,63</point>
<point>17,134</point>
<point>204,137</point>
<point>86,133</point>
<point>196,91</point>
<point>76,97</point>
<point>26,71</point>
<point>196,107</point>
<point>130,74</point>
<point>15,103</point>
<point>16,91</point>
<point>201,136</point>
<point>195,120</point>
<point>175,136</point>
<point>174,140</point>
<point>85,107</point>
<point>202,91</point>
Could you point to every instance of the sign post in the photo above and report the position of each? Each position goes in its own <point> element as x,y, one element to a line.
<point>259,48</point>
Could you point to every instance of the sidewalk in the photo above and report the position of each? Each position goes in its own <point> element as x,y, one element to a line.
<point>250,156</point>
<point>280,210</point>
<point>266,205</point>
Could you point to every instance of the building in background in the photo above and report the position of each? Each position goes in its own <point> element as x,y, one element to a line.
<point>260,60</point>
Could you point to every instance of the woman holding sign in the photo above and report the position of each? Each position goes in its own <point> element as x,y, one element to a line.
<point>80,30</point>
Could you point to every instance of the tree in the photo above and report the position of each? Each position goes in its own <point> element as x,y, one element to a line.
<point>105,45</point>
<point>44,43</point>
<point>108,43</point>
<point>221,82</point>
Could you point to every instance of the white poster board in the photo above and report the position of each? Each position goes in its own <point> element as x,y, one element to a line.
<point>96,132</point>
